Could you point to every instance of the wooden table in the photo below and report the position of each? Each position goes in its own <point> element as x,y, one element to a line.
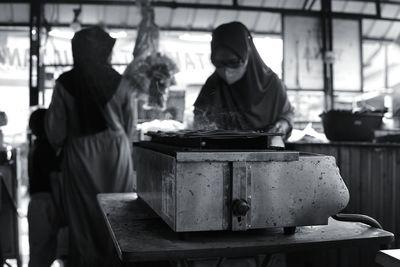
<point>139,235</point>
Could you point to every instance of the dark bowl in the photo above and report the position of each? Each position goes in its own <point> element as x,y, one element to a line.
<point>345,125</point>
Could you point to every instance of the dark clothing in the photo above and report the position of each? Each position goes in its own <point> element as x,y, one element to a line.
<point>43,217</point>
<point>234,36</point>
<point>89,118</point>
<point>92,82</point>
<point>42,161</point>
<point>43,230</point>
<point>218,104</point>
<point>91,46</point>
<point>255,102</point>
<point>89,104</point>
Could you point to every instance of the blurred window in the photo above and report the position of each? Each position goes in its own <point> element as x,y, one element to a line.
<point>308,106</point>
<point>14,82</point>
<point>374,65</point>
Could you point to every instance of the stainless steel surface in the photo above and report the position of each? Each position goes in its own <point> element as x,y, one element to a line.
<point>200,191</point>
<point>193,156</point>
<point>211,133</point>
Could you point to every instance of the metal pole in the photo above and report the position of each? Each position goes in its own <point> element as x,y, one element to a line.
<point>386,66</point>
<point>327,47</point>
<point>360,25</point>
<point>34,51</point>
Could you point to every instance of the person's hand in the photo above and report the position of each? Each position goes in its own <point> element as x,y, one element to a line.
<point>280,127</point>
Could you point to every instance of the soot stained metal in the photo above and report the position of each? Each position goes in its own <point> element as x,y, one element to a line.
<point>196,188</point>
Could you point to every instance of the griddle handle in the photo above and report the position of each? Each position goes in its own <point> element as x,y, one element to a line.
<point>357,218</point>
<point>362,219</point>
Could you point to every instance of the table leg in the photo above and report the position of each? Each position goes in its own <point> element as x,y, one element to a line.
<point>1,255</point>
<point>182,263</point>
<point>266,260</point>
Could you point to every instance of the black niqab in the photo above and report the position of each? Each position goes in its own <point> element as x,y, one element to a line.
<point>92,81</point>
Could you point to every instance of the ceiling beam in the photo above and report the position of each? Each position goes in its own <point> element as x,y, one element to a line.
<point>389,2</point>
<point>12,24</point>
<point>375,39</point>
<point>174,5</point>
<point>178,29</point>
<point>378,8</point>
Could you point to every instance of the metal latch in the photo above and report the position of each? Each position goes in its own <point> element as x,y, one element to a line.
<point>241,196</point>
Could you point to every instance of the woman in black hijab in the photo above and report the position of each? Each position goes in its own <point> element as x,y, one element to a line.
<point>90,119</point>
<point>243,93</point>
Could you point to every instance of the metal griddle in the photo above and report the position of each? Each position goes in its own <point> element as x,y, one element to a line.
<point>214,139</point>
<point>224,180</point>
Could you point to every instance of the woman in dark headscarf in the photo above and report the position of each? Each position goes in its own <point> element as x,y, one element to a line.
<point>243,93</point>
<point>90,119</point>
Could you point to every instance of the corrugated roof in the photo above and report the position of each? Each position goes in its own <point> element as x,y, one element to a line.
<point>204,15</point>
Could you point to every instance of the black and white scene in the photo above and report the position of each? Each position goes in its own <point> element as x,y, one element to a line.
<point>200,133</point>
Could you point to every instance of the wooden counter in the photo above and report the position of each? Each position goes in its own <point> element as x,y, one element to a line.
<point>139,235</point>
<point>371,171</point>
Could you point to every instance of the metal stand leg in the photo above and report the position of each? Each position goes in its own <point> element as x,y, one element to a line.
<point>221,261</point>
<point>183,263</point>
<point>266,260</point>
